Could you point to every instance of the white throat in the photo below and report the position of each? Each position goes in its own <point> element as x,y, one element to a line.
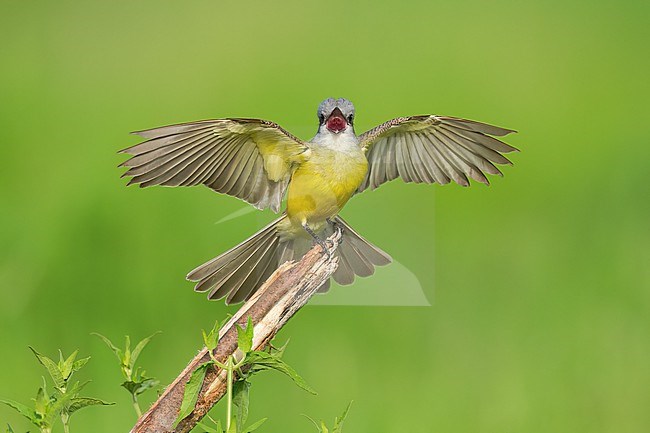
<point>343,141</point>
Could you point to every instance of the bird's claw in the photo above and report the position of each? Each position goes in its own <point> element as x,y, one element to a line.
<point>337,228</point>
<point>318,240</point>
<point>326,250</point>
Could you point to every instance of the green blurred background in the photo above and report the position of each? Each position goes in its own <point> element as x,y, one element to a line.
<point>539,319</point>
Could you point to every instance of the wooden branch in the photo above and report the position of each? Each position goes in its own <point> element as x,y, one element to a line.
<point>285,292</point>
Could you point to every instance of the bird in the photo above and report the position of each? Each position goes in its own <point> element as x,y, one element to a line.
<point>261,163</point>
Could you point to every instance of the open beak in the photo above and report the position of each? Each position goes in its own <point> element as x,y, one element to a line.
<point>336,121</point>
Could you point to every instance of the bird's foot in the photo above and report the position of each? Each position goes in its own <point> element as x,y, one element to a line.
<point>337,227</point>
<point>318,240</point>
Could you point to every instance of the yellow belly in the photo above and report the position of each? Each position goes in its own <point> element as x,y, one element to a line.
<point>321,186</point>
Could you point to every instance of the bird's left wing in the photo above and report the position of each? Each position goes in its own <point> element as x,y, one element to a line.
<point>250,159</point>
<point>432,149</point>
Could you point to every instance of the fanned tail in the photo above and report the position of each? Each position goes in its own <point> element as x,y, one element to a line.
<point>240,271</point>
<point>357,256</point>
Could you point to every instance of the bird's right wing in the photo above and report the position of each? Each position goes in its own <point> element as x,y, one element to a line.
<point>250,159</point>
<point>432,149</point>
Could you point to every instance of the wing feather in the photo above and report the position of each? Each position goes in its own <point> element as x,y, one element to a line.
<point>438,173</point>
<point>459,161</point>
<point>250,159</point>
<point>232,168</point>
<point>205,168</point>
<point>172,170</point>
<point>147,161</point>
<point>222,161</point>
<point>440,155</point>
<point>247,162</point>
<point>478,154</point>
<point>472,125</point>
<point>402,159</point>
<point>257,186</point>
<point>172,130</point>
<point>416,159</point>
<point>476,146</point>
<point>144,159</point>
<point>433,149</point>
<point>425,163</point>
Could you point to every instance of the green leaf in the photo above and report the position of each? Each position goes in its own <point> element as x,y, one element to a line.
<point>57,406</point>
<point>51,367</point>
<point>240,400</point>
<point>255,426</point>
<point>42,401</point>
<point>138,387</point>
<point>279,351</point>
<point>211,339</point>
<point>66,367</point>
<point>245,336</point>
<point>9,429</point>
<point>264,361</point>
<point>323,427</point>
<point>81,402</point>
<point>25,411</point>
<point>141,345</point>
<point>192,389</point>
<point>233,426</point>
<point>77,387</point>
<point>312,421</point>
<point>338,421</point>
<point>126,361</point>
<point>78,365</point>
<point>109,343</point>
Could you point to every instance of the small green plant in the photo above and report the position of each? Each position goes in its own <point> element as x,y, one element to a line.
<point>63,402</point>
<point>10,430</point>
<point>338,422</point>
<point>244,363</point>
<point>136,380</point>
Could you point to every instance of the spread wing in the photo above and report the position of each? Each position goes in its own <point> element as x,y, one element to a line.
<point>432,149</point>
<point>250,159</point>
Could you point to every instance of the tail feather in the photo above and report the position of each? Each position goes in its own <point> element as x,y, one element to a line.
<point>286,252</point>
<point>365,249</point>
<point>359,264</point>
<point>232,261</point>
<point>231,282</point>
<point>357,255</point>
<point>344,274</point>
<point>239,272</point>
<point>324,288</point>
<point>245,279</point>
<point>215,264</point>
<point>264,269</point>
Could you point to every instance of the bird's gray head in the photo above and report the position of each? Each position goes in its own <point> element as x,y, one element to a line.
<point>336,114</point>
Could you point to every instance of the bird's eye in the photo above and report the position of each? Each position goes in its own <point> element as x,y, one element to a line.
<point>351,118</point>
<point>321,118</point>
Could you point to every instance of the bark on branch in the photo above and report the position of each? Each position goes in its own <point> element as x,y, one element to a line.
<point>285,292</point>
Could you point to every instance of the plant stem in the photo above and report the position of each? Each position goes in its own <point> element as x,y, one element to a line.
<point>229,391</point>
<point>136,406</point>
<point>65,419</point>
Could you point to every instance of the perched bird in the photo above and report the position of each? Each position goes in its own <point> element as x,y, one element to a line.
<point>259,162</point>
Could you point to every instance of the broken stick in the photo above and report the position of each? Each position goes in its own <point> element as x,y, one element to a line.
<point>286,291</point>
